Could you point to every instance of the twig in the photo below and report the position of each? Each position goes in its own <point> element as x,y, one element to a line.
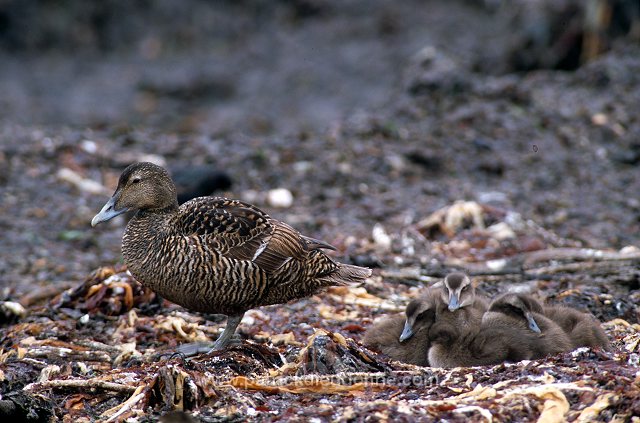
<point>573,268</point>
<point>582,254</point>
<point>582,259</point>
<point>125,406</point>
<point>68,353</point>
<point>98,346</point>
<point>90,384</point>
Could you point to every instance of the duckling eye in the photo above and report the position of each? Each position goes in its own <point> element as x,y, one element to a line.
<point>464,288</point>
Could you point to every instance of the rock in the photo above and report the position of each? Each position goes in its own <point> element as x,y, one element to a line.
<point>199,181</point>
<point>433,72</point>
<point>280,198</point>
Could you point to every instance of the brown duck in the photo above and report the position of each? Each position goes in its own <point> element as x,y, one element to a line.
<point>216,255</point>
<point>453,304</point>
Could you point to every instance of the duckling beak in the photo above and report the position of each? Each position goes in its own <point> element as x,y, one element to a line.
<point>407,332</point>
<point>454,304</point>
<point>108,212</point>
<point>532,323</point>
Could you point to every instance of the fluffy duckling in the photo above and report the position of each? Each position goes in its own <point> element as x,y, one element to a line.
<point>383,336</point>
<point>216,255</point>
<point>404,337</point>
<point>511,330</point>
<point>524,313</point>
<point>583,329</point>
<point>458,301</point>
<point>453,346</point>
<point>451,333</point>
<point>458,292</point>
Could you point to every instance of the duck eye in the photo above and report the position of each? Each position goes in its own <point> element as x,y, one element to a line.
<point>135,180</point>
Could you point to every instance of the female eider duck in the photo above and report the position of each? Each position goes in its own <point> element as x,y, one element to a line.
<point>216,255</point>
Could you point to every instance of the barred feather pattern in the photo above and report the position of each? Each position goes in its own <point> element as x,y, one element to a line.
<point>217,255</point>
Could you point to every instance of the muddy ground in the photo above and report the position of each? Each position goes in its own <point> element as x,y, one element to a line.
<point>368,113</point>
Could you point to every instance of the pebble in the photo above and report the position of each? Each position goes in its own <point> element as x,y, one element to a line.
<point>280,197</point>
<point>13,308</point>
<point>380,237</point>
<point>89,146</point>
<point>501,231</point>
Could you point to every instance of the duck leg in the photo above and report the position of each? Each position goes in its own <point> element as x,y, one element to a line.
<point>194,348</point>
<point>227,333</point>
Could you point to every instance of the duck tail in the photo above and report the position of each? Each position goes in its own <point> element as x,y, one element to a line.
<point>346,274</point>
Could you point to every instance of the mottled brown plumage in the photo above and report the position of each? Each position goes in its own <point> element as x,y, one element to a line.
<point>216,255</point>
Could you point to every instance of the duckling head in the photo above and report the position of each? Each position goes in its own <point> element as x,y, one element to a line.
<point>457,291</point>
<point>142,186</point>
<point>420,314</point>
<point>517,306</point>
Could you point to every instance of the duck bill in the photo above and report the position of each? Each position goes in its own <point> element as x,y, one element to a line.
<point>407,332</point>
<point>454,303</point>
<point>532,323</point>
<point>108,212</point>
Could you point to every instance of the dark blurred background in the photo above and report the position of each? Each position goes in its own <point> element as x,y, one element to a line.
<point>364,113</point>
<point>265,66</point>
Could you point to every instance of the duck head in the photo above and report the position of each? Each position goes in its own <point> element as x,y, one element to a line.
<point>518,306</point>
<point>420,314</point>
<point>457,291</point>
<point>142,186</point>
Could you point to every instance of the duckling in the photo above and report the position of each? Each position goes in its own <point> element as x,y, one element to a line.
<point>458,301</point>
<point>456,330</point>
<point>511,330</point>
<point>216,255</point>
<point>404,337</point>
<point>583,329</point>
<point>524,313</point>
<point>420,314</point>
<point>458,292</point>
<point>383,336</point>
<point>454,346</point>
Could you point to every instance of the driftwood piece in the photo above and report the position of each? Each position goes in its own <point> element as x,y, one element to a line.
<point>81,384</point>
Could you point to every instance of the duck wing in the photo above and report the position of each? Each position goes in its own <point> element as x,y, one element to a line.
<point>241,231</point>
